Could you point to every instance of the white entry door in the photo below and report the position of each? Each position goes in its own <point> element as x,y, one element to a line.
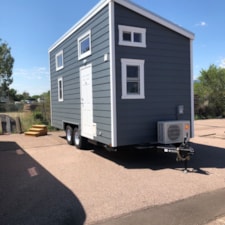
<point>86,99</point>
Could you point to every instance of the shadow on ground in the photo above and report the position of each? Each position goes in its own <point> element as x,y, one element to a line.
<point>31,195</point>
<point>204,157</point>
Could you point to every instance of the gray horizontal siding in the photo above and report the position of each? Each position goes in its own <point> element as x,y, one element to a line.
<point>167,79</point>
<point>69,109</point>
<point>103,107</point>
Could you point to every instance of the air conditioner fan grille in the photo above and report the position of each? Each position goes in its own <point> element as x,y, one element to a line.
<point>173,132</point>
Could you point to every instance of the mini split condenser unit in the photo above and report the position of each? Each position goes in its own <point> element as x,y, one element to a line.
<point>170,132</point>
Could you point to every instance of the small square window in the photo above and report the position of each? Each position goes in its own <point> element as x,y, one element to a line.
<point>132,36</point>
<point>132,79</point>
<point>132,72</point>
<point>133,88</point>
<point>59,60</point>
<point>126,36</point>
<point>84,45</point>
<point>137,37</point>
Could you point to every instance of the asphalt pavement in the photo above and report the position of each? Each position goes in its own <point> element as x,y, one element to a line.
<point>30,195</point>
<point>198,210</point>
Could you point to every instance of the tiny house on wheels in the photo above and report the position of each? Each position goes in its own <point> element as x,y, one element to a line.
<point>122,76</point>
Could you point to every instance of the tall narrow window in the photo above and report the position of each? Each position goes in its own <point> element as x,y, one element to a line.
<point>132,36</point>
<point>60,89</point>
<point>59,60</point>
<point>132,79</point>
<point>84,45</point>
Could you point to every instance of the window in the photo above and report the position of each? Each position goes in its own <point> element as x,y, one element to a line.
<point>59,60</point>
<point>60,89</point>
<point>132,36</point>
<point>132,79</point>
<point>84,45</point>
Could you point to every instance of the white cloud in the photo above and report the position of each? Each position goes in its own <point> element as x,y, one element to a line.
<point>222,63</point>
<point>32,80</point>
<point>201,24</point>
<point>35,73</point>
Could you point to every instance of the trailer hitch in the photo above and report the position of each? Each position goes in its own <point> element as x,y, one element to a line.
<point>184,152</point>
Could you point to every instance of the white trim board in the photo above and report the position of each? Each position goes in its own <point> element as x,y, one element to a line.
<point>112,76</point>
<point>133,62</point>
<point>192,89</point>
<point>130,5</point>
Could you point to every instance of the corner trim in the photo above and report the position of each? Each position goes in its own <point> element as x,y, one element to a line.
<point>112,74</point>
<point>192,89</point>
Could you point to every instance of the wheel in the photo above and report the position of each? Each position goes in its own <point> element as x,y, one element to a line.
<point>69,135</point>
<point>79,141</point>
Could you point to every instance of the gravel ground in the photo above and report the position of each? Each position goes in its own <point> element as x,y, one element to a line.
<point>219,221</point>
<point>109,184</point>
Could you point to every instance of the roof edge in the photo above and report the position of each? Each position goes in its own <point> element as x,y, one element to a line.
<point>130,5</point>
<point>82,21</point>
<point>147,13</point>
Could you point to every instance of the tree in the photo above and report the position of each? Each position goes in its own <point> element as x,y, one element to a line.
<point>42,112</point>
<point>45,98</point>
<point>12,94</point>
<point>210,91</point>
<point>25,95</point>
<point>36,97</point>
<point>6,67</point>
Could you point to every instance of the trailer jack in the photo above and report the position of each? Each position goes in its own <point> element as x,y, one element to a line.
<point>184,152</point>
<point>184,157</point>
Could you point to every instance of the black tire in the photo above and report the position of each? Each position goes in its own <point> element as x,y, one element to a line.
<point>79,141</point>
<point>69,135</point>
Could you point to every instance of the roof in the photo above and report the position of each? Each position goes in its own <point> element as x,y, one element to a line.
<point>132,6</point>
<point>156,18</point>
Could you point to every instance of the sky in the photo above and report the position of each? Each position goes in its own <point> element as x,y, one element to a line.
<point>31,27</point>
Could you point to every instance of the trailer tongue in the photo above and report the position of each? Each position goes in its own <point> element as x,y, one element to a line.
<point>173,137</point>
<point>184,152</point>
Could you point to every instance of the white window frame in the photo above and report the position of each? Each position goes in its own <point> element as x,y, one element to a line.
<point>132,30</point>
<point>60,95</point>
<point>132,62</point>
<point>79,41</point>
<point>57,66</point>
